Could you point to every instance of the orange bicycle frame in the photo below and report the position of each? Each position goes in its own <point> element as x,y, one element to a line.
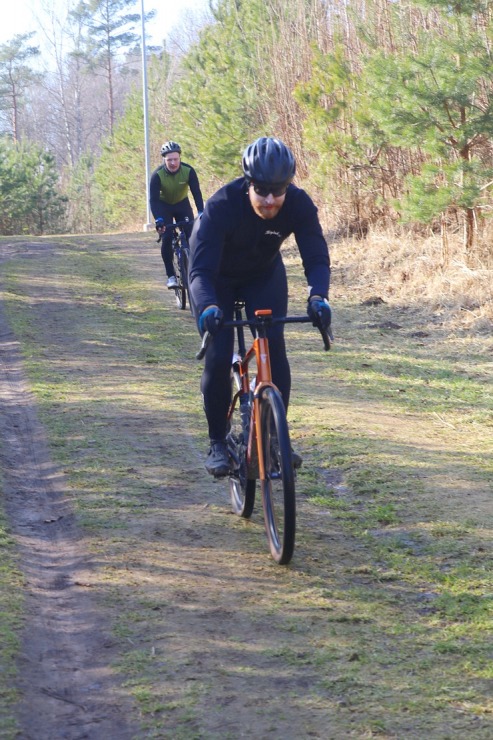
<point>259,350</point>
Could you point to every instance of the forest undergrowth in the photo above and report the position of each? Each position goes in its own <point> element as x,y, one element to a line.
<point>433,276</point>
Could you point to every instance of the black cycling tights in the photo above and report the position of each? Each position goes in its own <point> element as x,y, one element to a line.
<point>178,212</point>
<point>269,290</point>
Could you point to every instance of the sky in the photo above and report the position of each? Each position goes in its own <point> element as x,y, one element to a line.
<point>18,16</point>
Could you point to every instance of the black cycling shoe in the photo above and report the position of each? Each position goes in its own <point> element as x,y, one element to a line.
<point>218,461</point>
<point>297,459</point>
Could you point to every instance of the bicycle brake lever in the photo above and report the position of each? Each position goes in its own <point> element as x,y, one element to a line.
<point>206,339</point>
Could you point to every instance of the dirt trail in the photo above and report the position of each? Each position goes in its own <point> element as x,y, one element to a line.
<point>66,686</point>
<point>238,646</point>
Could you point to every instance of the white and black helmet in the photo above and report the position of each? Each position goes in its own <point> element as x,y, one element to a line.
<point>269,161</point>
<point>170,146</point>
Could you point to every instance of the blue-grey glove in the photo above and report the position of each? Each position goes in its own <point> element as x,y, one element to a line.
<point>159,224</point>
<point>211,320</point>
<point>319,311</point>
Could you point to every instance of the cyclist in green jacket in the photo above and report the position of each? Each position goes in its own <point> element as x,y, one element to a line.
<point>169,186</point>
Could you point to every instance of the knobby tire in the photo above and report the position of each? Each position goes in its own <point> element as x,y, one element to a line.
<point>184,259</point>
<point>278,485</point>
<point>180,290</point>
<point>241,487</point>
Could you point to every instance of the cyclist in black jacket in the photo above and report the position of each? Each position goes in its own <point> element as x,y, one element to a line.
<point>168,199</point>
<point>235,254</point>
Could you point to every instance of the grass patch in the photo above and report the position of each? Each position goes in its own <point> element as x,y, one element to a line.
<point>383,620</point>
<point>11,622</point>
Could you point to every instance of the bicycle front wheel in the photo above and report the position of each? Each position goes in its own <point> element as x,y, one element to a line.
<point>184,274</point>
<point>278,483</point>
<point>241,487</point>
<point>180,290</point>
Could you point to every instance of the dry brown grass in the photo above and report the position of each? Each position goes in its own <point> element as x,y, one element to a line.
<point>422,274</point>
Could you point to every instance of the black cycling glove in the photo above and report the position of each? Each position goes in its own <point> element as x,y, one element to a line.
<point>319,311</point>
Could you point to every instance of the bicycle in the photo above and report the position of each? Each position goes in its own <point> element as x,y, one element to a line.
<point>258,437</point>
<point>181,257</point>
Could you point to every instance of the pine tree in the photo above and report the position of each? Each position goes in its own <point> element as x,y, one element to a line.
<point>30,201</point>
<point>120,171</point>
<point>214,106</point>
<point>109,30</point>
<point>16,74</point>
<point>437,96</point>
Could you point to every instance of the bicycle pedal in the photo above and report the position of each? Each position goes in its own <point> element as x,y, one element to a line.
<point>232,451</point>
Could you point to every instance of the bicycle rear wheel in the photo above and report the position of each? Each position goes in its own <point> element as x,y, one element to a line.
<point>241,487</point>
<point>278,486</point>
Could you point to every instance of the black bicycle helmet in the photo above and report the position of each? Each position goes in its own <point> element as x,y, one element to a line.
<point>268,161</point>
<point>170,146</point>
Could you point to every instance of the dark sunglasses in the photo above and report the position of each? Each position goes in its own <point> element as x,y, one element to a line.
<point>264,190</point>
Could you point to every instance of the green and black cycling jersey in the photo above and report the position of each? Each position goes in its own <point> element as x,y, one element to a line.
<point>171,188</point>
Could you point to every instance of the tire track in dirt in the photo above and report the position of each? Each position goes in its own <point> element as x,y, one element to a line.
<point>66,688</point>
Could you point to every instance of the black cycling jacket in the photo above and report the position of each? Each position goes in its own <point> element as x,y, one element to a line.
<point>231,241</point>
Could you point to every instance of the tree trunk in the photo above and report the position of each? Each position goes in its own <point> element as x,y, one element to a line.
<point>15,114</point>
<point>109,71</point>
<point>469,230</point>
